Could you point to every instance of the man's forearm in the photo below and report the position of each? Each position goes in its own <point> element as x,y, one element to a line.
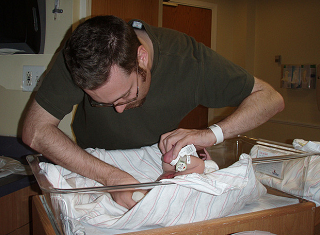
<point>262,104</point>
<point>41,133</point>
<point>59,148</point>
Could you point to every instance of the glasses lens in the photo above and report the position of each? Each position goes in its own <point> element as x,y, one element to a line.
<point>93,103</point>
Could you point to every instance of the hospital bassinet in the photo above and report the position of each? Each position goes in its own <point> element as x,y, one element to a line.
<point>298,218</point>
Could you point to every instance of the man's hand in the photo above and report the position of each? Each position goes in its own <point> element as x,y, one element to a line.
<point>123,198</point>
<point>262,104</point>
<point>41,132</point>
<point>179,138</point>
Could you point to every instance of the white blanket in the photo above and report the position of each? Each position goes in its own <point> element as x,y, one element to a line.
<point>265,202</point>
<point>192,198</point>
<point>301,177</point>
<point>312,182</point>
<point>10,166</point>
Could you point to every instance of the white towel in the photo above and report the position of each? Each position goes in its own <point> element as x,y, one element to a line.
<point>293,171</point>
<point>193,197</point>
<point>312,184</point>
<point>301,177</point>
<point>307,146</point>
<point>266,202</point>
<point>10,166</point>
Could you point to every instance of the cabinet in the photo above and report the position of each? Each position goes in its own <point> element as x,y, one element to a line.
<point>15,217</point>
<point>294,219</point>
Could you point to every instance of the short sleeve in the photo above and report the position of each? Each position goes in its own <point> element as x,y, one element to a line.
<point>58,93</point>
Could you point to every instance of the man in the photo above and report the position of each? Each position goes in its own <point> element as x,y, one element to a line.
<point>133,84</point>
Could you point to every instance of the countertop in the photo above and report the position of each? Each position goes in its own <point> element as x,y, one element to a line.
<point>14,147</point>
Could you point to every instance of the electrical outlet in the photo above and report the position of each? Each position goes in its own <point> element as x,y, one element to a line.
<point>32,77</point>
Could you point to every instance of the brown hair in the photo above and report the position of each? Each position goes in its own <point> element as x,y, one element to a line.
<point>96,45</point>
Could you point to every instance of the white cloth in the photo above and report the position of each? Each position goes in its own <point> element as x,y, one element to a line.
<point>301,177</point>
<point>9,51</point>
<point>312,184</point>
<point>265,202</point>
<point>210,166</point>
<point>192,198</point>
<point>307,146</point>
<point>293,171</point>
<point>9,166</point>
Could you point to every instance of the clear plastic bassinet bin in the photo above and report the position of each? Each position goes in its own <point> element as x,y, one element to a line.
<point>276,165</point>
<point>60,203</point>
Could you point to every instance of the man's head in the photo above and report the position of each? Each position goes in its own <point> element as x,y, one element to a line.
<point>121,92</point>
<point>98,44</point>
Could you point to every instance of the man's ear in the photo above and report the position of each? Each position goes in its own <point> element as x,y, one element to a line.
<point>143,56</point>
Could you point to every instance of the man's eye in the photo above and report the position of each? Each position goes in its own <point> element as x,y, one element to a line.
<point>127,95</point>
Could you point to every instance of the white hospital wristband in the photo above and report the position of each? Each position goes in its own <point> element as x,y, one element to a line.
<point>217,131</point>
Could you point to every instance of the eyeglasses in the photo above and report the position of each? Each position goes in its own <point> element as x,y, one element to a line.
<point>93,103</point>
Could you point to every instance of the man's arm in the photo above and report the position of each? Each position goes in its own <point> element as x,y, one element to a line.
<point>262,104</point>
<point>41,132</point>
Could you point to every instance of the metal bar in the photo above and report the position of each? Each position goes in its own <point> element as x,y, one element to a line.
<point>281,158</point>
<point>270,144</point>
<point>114,188</point>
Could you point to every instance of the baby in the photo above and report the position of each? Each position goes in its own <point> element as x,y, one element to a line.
<point>199,162</point>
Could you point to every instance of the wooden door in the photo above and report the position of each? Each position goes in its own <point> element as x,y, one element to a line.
<point>195,22</point>
<point>146,10</point>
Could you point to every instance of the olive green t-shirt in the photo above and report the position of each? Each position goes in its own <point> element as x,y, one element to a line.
<point>184,74</point>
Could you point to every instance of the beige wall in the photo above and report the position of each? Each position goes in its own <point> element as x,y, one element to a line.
<point>265,29</point>
<point>290,29</point>
<point>295,29</point>
<point>12,99</point>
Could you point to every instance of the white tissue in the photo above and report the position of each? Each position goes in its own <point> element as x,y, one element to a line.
<point>308,146</point>
<point>9,51</point>
<point>10,166</point>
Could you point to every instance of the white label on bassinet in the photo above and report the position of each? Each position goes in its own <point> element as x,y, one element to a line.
<point>273,169</point>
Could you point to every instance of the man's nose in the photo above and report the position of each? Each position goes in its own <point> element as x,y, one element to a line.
<point>120,108</point>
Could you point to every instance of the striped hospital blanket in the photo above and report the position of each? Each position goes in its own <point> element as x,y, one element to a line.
<point>193,197</point>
